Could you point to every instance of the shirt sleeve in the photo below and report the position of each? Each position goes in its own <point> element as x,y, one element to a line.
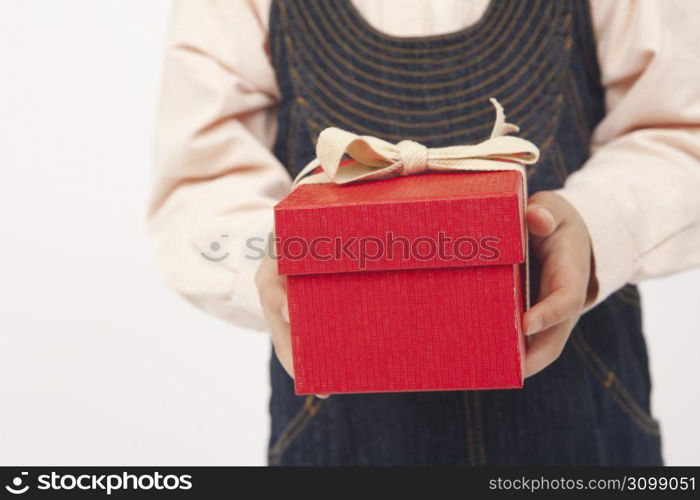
<point>216,179</point>
<point>638,193</point>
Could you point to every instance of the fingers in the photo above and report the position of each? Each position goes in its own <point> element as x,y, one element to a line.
<point>273,298</point>
<point>281,337</point>
<point>563,304</point>
<point>565,256</point>
<point>540,221</point>
<point>562,245</point>
<point>545,347</point>
<point>563,284</point>
<point>544,214</point>
<point>274,302</point>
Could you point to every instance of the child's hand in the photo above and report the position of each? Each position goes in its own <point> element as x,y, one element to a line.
<point>273,298</point>
<point>562,244</point>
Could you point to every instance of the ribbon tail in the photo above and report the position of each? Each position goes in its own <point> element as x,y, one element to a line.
<point>500,126</point>
<point>303,175</point>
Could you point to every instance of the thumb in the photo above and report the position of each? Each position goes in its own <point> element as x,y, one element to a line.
<point>544,215</point>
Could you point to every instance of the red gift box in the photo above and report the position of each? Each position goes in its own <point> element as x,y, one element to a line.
<point>405,284</point>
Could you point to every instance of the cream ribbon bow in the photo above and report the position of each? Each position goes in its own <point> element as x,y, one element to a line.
<point>374,158</point>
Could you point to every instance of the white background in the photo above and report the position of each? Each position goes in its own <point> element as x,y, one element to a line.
<point>99,364</point>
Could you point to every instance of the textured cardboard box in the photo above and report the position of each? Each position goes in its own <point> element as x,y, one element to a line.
<point>405,284</point>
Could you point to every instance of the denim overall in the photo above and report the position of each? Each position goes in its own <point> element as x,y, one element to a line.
<point>538,58</point>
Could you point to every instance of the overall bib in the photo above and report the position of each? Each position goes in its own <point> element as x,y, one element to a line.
<point>538,58</point>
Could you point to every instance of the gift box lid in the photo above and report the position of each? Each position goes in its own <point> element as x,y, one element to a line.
<point>423,221</point>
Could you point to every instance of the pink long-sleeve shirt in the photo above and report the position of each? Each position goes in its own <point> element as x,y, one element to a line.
<point>217,180</point>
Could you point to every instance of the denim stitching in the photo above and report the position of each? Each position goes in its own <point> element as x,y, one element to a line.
<point>366,130</point>
<point>479,429</point>
<point>611,382</point>
<point>373,90</point>
<point>395,111</point>
<point>483,49</point>
<point>467,61</point>
<point>294,428</point>
<point>488,16</point>
<point>329,62</point>
<point>471,453</point>
<point>292,137</point>
<point>574,98</point>
<point>584,30</point>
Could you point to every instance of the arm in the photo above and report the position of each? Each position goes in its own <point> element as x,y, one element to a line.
<point>634,203</point>
<point>638,193</point>
<point>215,174</point>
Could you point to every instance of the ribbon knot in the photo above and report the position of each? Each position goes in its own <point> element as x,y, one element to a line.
<point>413,156</point>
